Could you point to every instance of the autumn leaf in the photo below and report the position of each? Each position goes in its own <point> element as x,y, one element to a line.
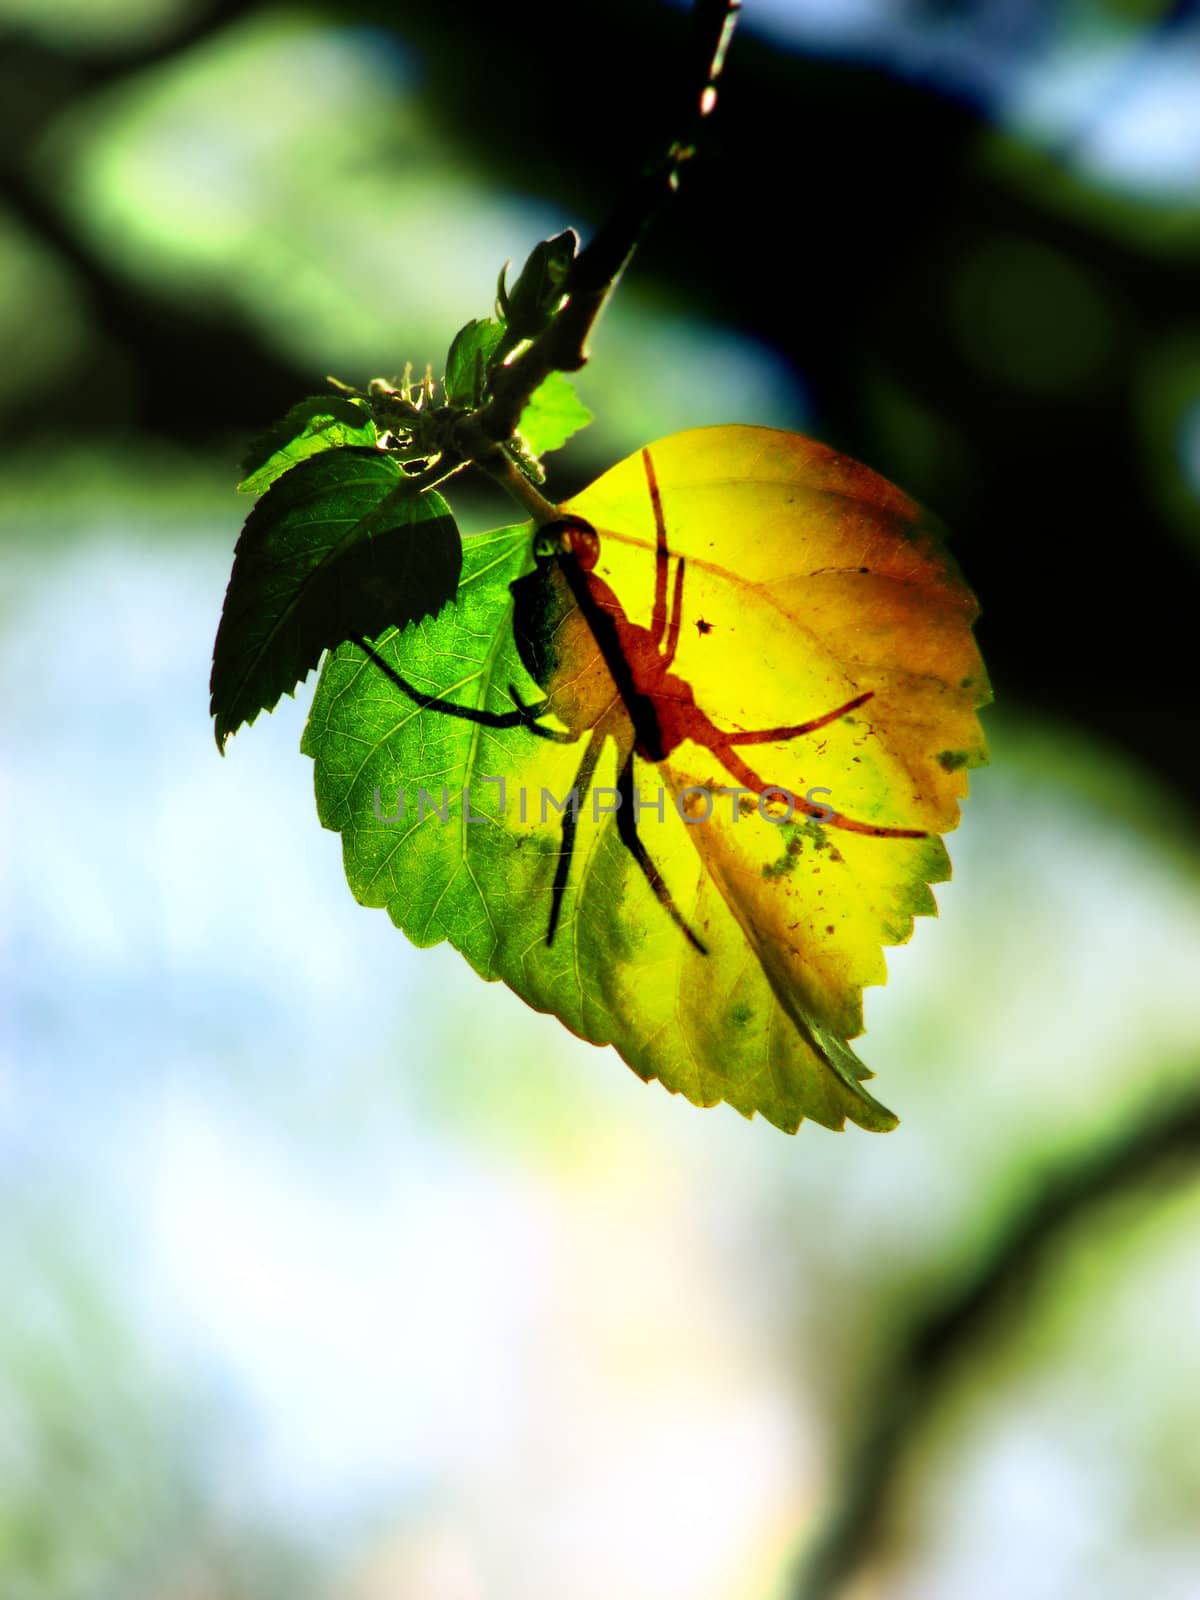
<point>723,947</point>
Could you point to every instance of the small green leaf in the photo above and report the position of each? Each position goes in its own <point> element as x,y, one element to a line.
<point>339,545</point>
<point>323,422</point>
<point>468,360</point>
<point>553,414</point>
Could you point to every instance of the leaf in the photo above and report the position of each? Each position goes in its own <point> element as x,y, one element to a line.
<point>338,546</point>
<point>324,422</point>
<point>808,582</point>
<point>467,361</point>
<point>531,302</point>
<point>553,414</point>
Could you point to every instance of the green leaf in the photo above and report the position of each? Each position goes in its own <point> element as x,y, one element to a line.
<point>553,414</point>
<point>324,422</point>
<point>338,546</point>
<point>468,359</point>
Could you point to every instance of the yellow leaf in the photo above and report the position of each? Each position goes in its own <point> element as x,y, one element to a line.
<point>731,608</point>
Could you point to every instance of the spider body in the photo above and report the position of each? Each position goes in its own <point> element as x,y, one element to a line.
<point>592,663</point>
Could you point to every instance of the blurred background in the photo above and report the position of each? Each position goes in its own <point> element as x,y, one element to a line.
<point>331,1271</point>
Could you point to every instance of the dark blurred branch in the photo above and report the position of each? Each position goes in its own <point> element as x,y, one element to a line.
<point>595,272</point>
<point>93,68</point>
<point>1165,1145</point>
<point>154,345</point>
<point>163,359</point>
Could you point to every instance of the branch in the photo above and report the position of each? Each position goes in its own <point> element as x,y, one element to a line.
<point>504,470</point>
<point>79,69</point>
<point>1165,1144</point>
<point>561,346</point>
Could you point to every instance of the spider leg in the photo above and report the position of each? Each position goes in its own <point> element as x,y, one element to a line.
<point>558,735</point>
<point>706,733</point>
<point>521,717</point>
<point>662,556</point>
<point>775,735</point>
<point>676,618</point>
<point>581,789</point>
<point>627,828</point>
<point>749,779</point>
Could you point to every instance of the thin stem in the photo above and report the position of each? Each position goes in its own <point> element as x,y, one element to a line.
<point>447,465</point>
<point>509,476</point>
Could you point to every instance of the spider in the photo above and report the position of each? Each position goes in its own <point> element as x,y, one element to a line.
<point>560,609</point>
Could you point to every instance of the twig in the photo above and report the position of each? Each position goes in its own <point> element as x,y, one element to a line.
<point>904,1393</point>
<point>445,466</point>
<point>595,272</point>
<point>506,473</point>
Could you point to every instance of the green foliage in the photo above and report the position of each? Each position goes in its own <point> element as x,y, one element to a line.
<point>350,537</point>
<point>468,361</point>
<point>339,544</point>
<point>324,422</point>
<point>553,414</point>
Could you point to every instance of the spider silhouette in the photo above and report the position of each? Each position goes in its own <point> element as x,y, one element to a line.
<point>562,607</point>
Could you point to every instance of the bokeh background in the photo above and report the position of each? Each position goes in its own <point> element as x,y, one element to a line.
<point>330,1271</point>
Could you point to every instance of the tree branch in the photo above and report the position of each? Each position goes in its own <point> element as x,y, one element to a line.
<point>1165,1143</point>
<point>595,272</point>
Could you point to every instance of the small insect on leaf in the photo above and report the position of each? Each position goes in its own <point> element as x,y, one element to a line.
<point>674,766</point>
